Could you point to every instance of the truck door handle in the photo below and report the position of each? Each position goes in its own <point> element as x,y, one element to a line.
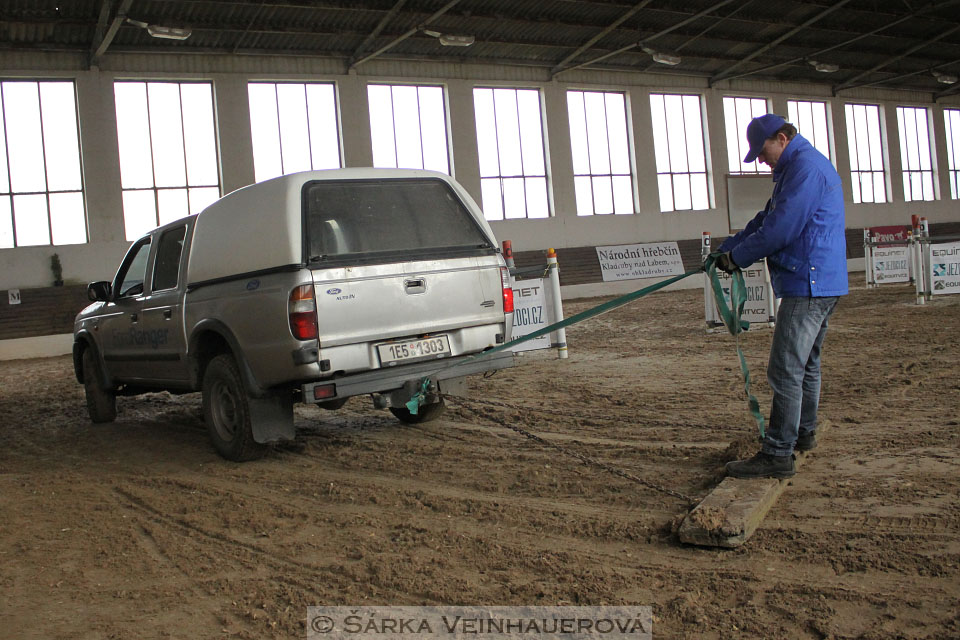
<point>167,314</point>
<point>415,285</point>
<point>133,317</point>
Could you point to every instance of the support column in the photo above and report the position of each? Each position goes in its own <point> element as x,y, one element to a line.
<point>100,154</point>
<point>841,151</point>
<point>648,199</point>
<point>236,141</point>
<point>465,163</point>
<point>941,171</point>
<point>891,146</point>
<point>558,153</point>
<point>355,121</point>
<point>717,155</point>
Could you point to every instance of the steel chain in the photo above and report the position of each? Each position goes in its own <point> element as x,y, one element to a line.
<point>573,454</point>
<point>576,416</point>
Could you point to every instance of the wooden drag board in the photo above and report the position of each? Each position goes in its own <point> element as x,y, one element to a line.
<point>730,513</point>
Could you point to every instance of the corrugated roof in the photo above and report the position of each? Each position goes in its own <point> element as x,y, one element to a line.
<point>894,45</point>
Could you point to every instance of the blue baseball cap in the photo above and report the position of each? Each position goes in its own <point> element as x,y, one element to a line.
<point>759,130</point>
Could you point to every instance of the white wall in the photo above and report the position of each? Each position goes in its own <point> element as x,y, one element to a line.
<point>29,266</point>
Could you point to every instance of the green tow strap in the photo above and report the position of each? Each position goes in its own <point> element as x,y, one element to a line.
<point>730,314</point>
<point>414,404</point>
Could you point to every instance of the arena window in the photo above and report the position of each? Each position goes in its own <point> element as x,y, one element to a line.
<point>41,184</point>
<point>294,127</point>
<point>513,174</point>
<point>810,119</point>
<point>600,143</point>
<point>913,124</point>
<point>737,114</point>
<point>678,140</point>
<point>951,119</point>
<point>408,127</point>
<point>867,169</point>
<point>168,151</point>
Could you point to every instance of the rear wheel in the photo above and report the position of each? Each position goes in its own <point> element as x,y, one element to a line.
<point>226,410</point>
<point>101,403</point>
<point>333,405</point>
<point>426,413</point>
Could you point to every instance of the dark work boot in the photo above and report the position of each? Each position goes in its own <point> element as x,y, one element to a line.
<point>762,465</point>
<point>806,441</point>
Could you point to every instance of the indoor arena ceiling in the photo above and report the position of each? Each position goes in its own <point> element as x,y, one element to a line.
<point>896,44</point>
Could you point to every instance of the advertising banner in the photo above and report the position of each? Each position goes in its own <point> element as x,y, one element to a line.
<point>891,264</point>
<point>632,261</point>
<point>945,268</point>
<point>890,233</point>
<point>532,310</point>
<point>759,307</point>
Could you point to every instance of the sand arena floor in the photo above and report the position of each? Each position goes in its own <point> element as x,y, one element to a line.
<point>138,529</point>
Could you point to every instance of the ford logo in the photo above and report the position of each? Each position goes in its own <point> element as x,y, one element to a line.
<point>253,284</point>
<point>333,292</point>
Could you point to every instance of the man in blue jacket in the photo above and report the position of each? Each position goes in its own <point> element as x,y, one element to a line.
<point>801,234</point>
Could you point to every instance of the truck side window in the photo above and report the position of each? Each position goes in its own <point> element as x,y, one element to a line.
<point>134,270</point>
<point>166,270</point>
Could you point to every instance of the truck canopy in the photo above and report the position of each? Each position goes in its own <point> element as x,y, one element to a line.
<point>260,227</point>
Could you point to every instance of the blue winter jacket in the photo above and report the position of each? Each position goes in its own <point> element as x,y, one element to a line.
<point>800,231</point>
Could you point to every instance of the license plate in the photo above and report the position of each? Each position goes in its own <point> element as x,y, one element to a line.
<point>409,350</point>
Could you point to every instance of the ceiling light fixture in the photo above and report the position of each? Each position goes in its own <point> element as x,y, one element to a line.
<point>160,31</point>
<point>451,40</point>
<point>662,58</point>
<point>945,78</point>
<point>824,67</point>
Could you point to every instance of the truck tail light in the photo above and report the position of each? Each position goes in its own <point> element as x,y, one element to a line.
<point>507,290</point>
<point>303,313</point>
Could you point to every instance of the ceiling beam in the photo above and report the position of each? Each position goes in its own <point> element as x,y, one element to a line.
<point>729,70</point>
<point>954,88</point>
<point>901,76</point>
<point>589,43</point>
<point>713,25</point>
<point>434,16</point>
<point>852,82</point>
<point>648,39</point>
<point>840,45</point>
<point>388,16</point>
<point>100,44</point>
<point>101,28</point>
<point>341,6</point>
<point>249,26</point>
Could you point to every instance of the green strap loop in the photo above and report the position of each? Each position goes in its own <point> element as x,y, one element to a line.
<point>731,315</point>
<point>414,404</point>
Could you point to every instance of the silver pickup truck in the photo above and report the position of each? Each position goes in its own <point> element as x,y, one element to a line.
<point>312,287</point>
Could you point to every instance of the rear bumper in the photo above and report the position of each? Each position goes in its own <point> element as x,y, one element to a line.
<point>393,378</point>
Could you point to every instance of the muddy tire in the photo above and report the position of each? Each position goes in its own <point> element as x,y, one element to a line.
<point>101,403</point>
<point>425,414</point>
<point>226,411</point>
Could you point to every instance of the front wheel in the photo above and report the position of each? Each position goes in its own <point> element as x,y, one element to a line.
<point>426,413</point>
<point>226,410</point>
<point>101,402</point>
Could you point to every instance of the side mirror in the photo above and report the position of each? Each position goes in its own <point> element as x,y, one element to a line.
<point>98,291</point>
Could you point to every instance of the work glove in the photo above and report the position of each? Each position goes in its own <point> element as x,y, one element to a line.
<point>725,263</point>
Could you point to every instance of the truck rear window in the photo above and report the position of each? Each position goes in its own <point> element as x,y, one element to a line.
<point>381,220</point>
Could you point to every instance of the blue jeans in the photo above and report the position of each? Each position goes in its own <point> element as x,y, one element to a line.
<point>794,371</point>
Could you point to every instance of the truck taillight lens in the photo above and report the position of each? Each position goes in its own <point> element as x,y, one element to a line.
<point>303,313</point>
<point>507,290</point>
